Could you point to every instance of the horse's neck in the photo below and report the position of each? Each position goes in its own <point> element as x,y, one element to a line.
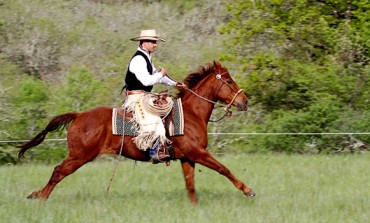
<point>197,108</point>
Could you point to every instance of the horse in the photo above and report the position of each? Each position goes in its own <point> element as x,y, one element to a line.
<point>89,133</point>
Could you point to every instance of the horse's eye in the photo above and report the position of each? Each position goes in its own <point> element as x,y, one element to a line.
<point>229,81</point>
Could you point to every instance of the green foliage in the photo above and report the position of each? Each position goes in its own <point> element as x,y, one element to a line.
<point>296,60</point>
<point>31,92</point>
<point>22,108</point>
<point>319,118</point>
<point>306,64</point>
<point>78,92</point>
<point>8,73</point>
<point>28,95</point>
<point>30,99</point>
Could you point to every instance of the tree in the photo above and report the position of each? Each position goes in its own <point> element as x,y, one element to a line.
<point>80,91</point>
<point>296,56</point>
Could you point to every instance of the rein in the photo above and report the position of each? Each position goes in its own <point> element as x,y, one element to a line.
<point>228,112</point>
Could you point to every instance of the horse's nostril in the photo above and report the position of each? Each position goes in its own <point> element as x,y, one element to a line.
<point>246,105</point>
<point>242,106</point>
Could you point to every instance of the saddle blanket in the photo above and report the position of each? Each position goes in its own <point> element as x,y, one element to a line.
<point>175,127</point>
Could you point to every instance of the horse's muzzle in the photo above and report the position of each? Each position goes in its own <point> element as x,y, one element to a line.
<point>242,106</point>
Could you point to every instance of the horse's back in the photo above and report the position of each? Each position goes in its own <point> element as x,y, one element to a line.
<point>90,126</point>
<point>102,112</point>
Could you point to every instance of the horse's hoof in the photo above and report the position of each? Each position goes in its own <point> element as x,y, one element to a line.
<point>33,195</point>
<point>250,193</point>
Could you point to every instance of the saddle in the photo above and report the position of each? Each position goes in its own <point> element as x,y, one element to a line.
<point>123,122</point>
<point>173,123</point>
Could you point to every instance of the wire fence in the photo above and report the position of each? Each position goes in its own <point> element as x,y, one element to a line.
<point>231,133</point>
<point>289,133</point>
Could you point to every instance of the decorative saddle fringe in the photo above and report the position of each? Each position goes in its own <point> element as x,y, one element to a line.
<point>147,118</point>
<point>146,140</point>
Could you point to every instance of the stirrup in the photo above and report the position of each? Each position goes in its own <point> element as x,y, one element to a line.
<point>159,155</point>
<point>155,159</point>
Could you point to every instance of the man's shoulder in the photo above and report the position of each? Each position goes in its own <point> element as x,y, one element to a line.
<point>138,57</point>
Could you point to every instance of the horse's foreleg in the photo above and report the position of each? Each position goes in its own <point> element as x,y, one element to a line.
<point>206,159</point>
<point>188,170</point>
<point>69,166</point>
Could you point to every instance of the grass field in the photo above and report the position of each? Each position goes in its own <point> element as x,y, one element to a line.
<point>289,189</point>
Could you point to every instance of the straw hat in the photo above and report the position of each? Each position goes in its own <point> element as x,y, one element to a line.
<point>149,34</point>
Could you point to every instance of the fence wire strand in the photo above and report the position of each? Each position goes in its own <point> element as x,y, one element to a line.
<point>232,133</point>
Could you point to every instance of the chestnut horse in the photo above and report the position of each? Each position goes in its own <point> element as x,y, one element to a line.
<point>90,132</point>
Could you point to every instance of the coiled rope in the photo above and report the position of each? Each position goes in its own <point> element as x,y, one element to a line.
<point>157,109</point>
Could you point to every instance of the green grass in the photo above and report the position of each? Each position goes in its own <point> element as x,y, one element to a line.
<point>289,189</point>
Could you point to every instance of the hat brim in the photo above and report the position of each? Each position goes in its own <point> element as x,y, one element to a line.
<point>156,38</point>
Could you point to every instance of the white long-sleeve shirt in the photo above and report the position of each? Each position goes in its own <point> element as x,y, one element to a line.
<point>138,67</point>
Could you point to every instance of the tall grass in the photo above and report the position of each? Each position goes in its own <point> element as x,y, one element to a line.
<point>289,189</point>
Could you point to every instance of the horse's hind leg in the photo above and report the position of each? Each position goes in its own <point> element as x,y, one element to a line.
<point>188,170</point>
<point>70,165</point>
<point>206,159</point>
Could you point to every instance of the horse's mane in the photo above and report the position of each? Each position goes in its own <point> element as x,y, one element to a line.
<point>203,71</point>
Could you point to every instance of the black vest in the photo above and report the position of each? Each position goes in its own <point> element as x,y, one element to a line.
<point>132,83</point>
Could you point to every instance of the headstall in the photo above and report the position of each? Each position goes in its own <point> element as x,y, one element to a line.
<point>227,107</point>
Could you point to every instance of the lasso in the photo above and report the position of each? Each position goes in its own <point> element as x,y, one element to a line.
<point>157,109</point>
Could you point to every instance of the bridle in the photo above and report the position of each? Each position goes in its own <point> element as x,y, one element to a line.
<point>228,112</point>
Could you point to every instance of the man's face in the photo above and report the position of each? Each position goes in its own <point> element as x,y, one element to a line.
<point>150,45</point>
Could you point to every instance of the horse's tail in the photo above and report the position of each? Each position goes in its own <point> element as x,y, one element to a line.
<point>58,122</point>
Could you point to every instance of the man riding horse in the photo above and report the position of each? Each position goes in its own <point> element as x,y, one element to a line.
<point>140,77</point>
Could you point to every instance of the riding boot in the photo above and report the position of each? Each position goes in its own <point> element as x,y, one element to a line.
<point>159,156</point>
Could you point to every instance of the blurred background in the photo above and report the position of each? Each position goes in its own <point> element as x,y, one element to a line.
<point>303,64</point>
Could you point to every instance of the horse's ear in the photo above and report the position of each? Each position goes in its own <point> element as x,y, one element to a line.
<point>217,64</point>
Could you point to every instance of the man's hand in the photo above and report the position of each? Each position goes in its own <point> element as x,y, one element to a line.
<point>163,71</point>
<point>180,85</point>
<point>160,70</point>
